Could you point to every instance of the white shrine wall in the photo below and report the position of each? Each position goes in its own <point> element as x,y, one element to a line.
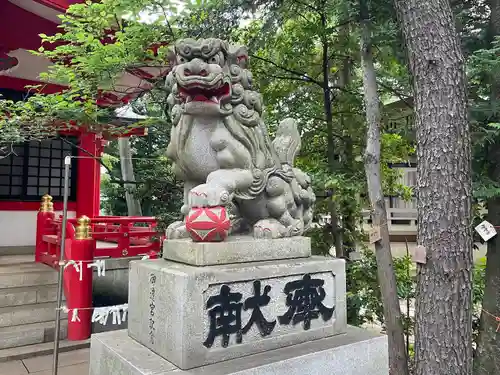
<point>26,174</point>
<point>18,228</point>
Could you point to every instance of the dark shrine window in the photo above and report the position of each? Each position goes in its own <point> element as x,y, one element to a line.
<point>36,168</point>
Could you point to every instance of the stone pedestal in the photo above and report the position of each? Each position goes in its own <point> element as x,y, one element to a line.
<point>237,249</point>
<point>202,309</point>
<point>168,310</point>
<point>356,352</point>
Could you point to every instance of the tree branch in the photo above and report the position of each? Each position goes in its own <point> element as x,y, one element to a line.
<point>313,8</point>
<point>113,178</point>
<point>289,78</point>
<point>304,76</point>
<point>169,26</point>
<point>344,23</point>
<point>399,94</point>
<point>343,89</point>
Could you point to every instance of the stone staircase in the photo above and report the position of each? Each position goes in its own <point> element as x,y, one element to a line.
<point>28,294</point>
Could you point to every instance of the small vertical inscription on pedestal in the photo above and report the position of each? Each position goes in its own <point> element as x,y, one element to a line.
<point>152,307</point>
<point>298,299</point>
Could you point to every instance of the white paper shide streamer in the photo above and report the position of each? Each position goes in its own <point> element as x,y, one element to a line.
<point>118,314</point>
<point>99,265</point>
<point>76,265</point>
<point>101,315</point>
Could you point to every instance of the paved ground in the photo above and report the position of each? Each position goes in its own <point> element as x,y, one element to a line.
<point>70,363</point>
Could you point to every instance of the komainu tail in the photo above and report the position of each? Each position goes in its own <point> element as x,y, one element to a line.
<point>287,142</point>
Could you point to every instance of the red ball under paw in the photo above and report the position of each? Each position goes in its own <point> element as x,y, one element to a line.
<point>208,224</point>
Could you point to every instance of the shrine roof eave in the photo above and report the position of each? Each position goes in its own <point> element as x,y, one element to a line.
<point>23,21</point>
<point>60,5</point>
<point>115,128</point>
<point>19,84</point>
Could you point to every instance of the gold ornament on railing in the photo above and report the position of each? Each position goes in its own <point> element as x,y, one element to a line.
<point>83,228</point>
<point>47,205</point>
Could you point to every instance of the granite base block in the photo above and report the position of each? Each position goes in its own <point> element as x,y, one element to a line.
<point>357,352</point>
<point>169,308</point>
<point>237,249</point>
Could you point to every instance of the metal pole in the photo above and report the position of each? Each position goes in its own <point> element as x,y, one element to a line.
<point>67,163</point>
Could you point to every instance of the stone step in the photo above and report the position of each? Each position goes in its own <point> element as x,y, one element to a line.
<point>23,267</point>
<point>26,274</point>
<point>28,295</point>
<point>30,334</point>
<point>23,352</point>
<point>18,250</point>
<point>27,314</point>
<point>13,259</point>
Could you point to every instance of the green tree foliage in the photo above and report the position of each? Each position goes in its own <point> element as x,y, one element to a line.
<point>484,69</point>
<point>365,301</point>
<point>98,42</point>
<point>288,41</point>
<point>158,190</point>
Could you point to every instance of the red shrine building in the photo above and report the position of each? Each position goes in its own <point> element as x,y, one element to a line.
<point>32,176</point>
<point>36,168</point>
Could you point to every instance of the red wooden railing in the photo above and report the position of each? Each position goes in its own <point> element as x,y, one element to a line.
<point>131,240</point>
<point>88,239</point>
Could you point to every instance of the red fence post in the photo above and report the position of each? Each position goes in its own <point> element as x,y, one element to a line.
<point>44,217</point>
<point>78,290</point>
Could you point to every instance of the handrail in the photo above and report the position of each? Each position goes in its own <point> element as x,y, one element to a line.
<point>81,248</point>
<point>130,240</point>
<point>113,219</point>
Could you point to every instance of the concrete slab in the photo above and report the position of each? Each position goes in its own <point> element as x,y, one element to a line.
<point>27,314</point>
<point>14,259</point>
<point>24,268</point>
<point>17,250</point>
<point>79,369</point>
<point>65,359</point>
<point>13,368</point>
<point>28,295</point>
<point>46,348</point>
<point>357,352</point>
<point>22,279</point>
<point>30,334</point>
<point>237,249</point>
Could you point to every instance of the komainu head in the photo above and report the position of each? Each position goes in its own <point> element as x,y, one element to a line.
<point>209,77</point>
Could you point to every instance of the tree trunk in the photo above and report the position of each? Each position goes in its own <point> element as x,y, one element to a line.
<point>344,79</point>
<point>443,332</point>
<point>327,104</point>
<point>398,361</point>
<point>487,360</point>
<point>349,218</point>
<point>133,204</point>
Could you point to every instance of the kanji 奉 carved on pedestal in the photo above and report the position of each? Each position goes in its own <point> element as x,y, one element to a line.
<point>222,151</point>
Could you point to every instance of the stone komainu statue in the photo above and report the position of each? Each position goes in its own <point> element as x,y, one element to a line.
<point>221,147</point>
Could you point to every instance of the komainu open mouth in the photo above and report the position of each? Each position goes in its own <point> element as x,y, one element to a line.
<point>199,93</point>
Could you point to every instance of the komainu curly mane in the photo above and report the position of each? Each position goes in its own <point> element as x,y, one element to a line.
<point>217,125</point>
